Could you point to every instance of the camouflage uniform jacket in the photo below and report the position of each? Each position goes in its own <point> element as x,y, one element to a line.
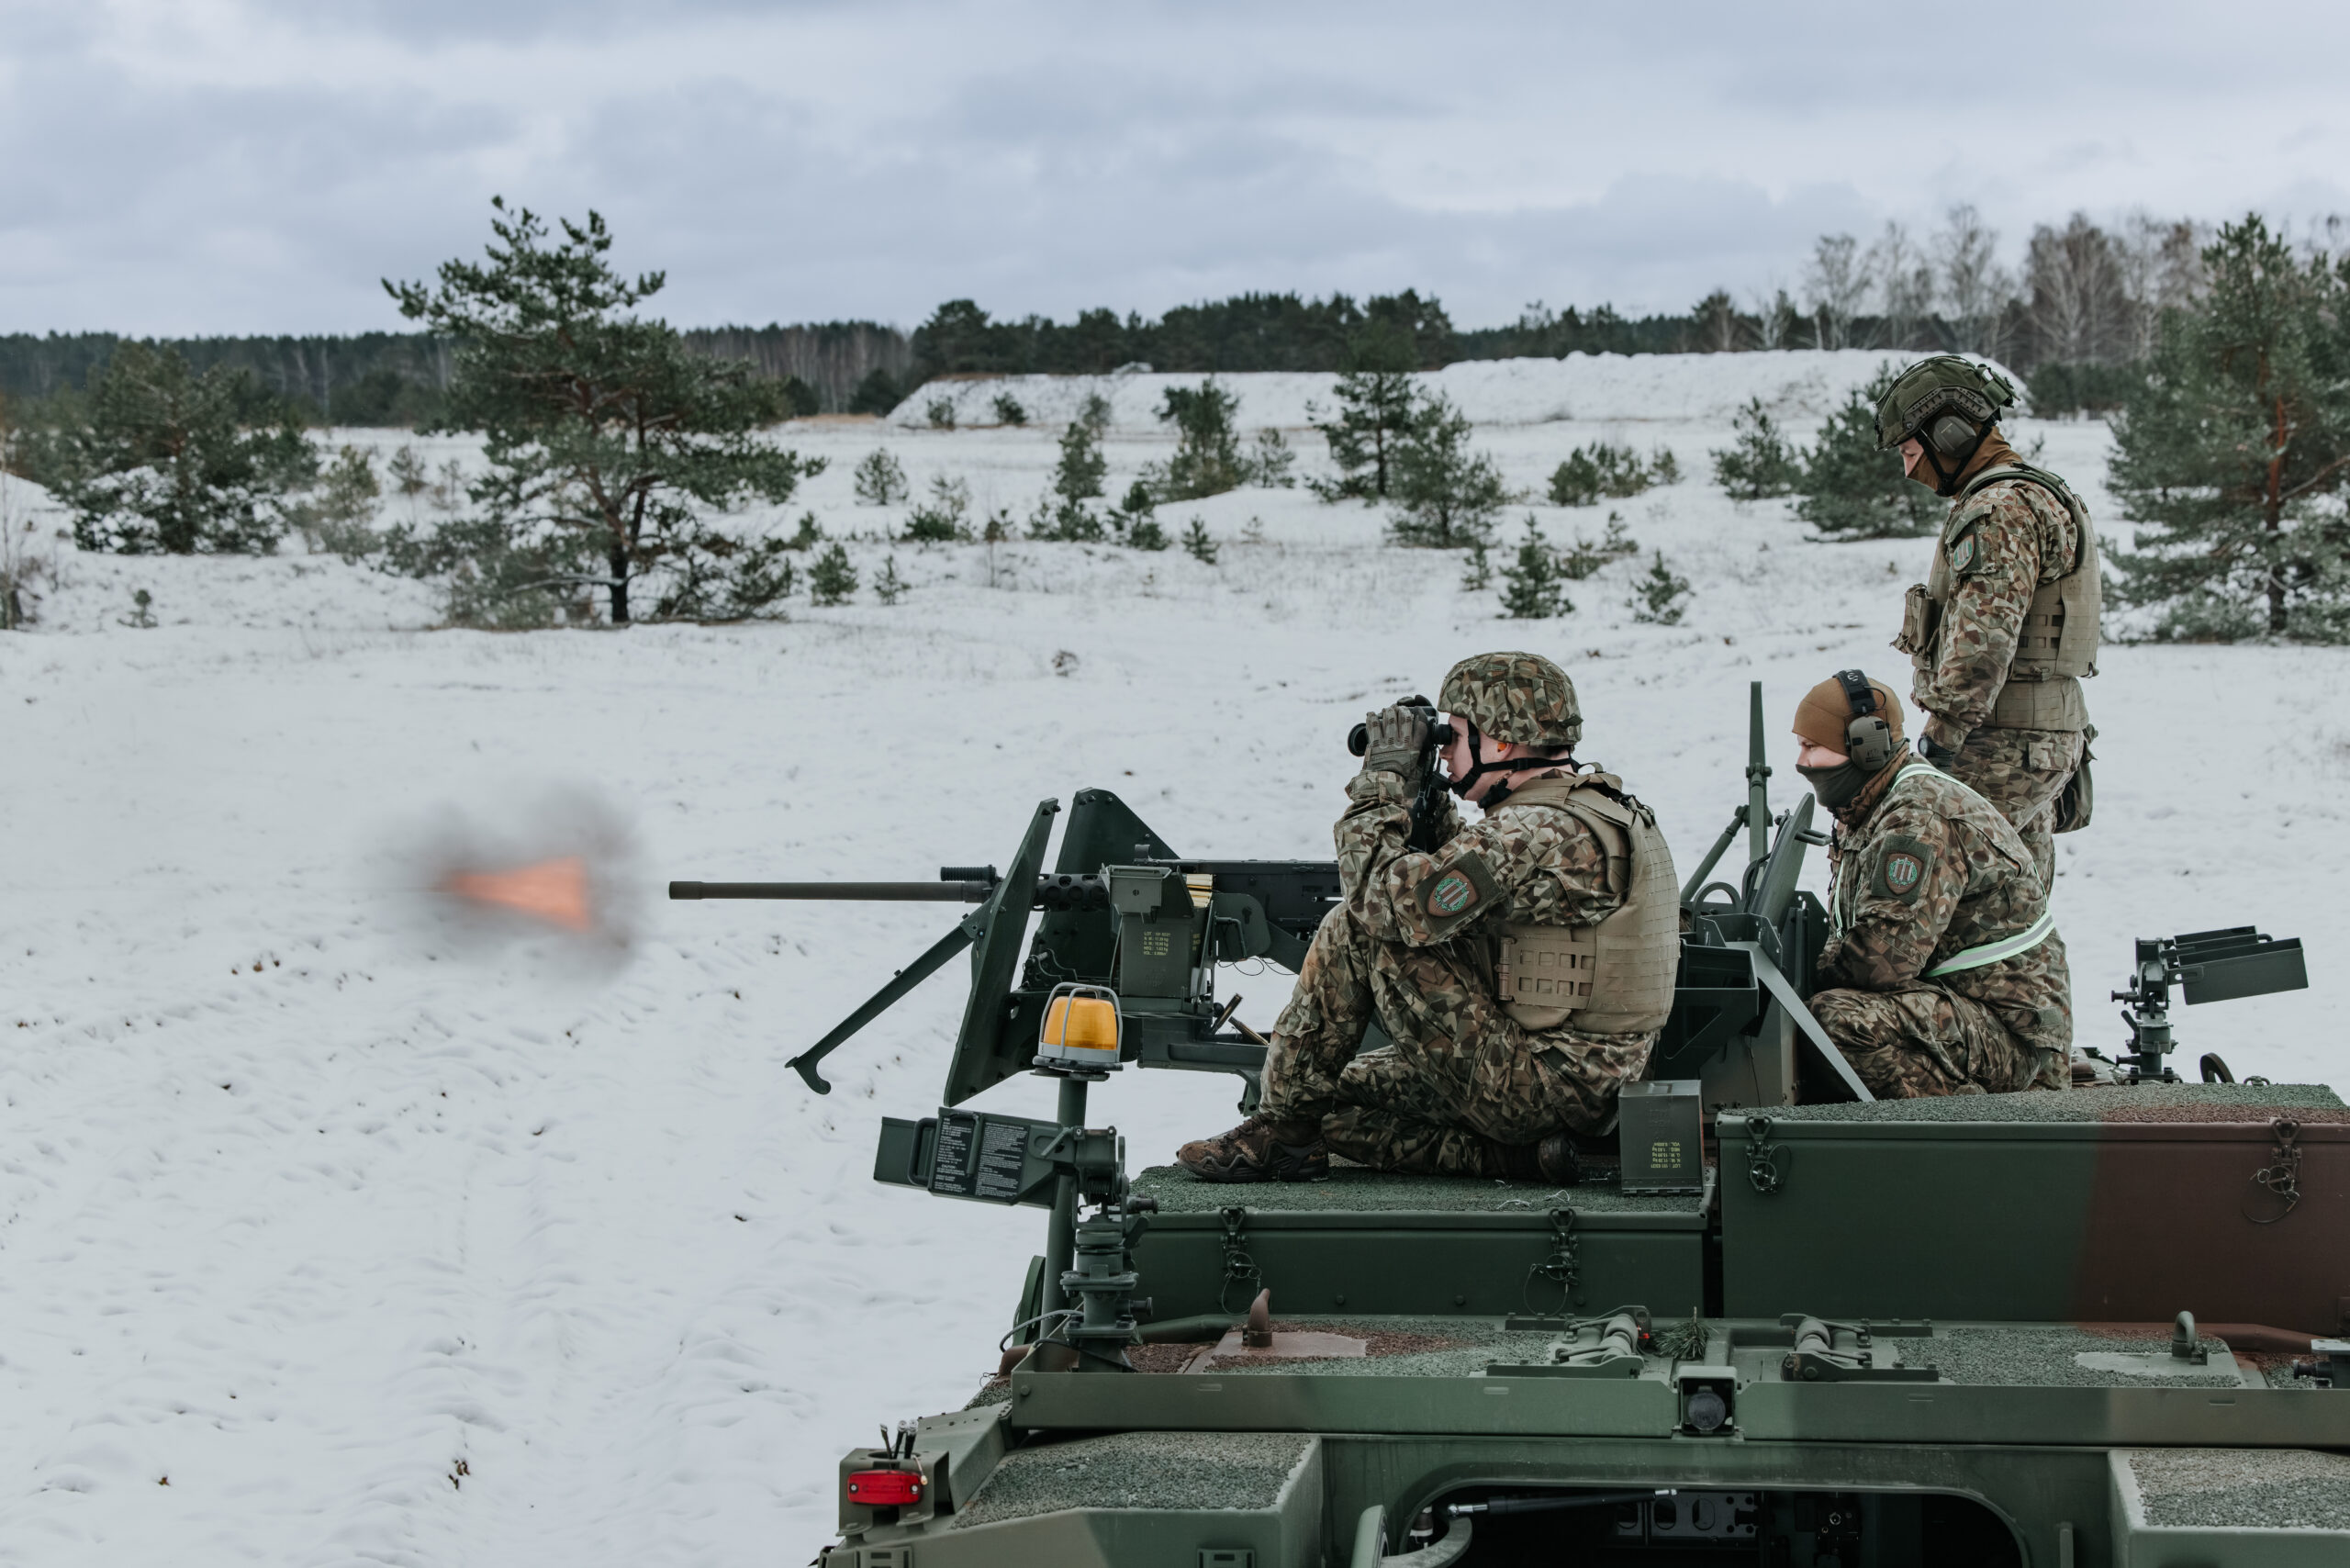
<point>1549,868</point>
<point>1999,545</point>
<point>1923,874</point>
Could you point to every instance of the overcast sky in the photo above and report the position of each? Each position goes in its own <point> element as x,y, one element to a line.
<point>257,165</point>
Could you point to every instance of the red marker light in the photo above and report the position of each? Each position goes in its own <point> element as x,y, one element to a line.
<point>885,1488</point>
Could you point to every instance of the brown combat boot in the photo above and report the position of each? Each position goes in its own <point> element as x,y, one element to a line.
<point>1259,1149</point>
<point>1552,1160</point>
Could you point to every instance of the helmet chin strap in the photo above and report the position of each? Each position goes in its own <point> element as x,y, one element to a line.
<point>1946,483</point>
<point>1480,766</point>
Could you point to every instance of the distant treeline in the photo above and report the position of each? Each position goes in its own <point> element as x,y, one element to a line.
<point>2080,322</point>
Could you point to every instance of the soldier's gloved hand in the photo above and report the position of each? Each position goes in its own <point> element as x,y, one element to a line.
<point>1933,751</point>
<point>1395,738</point>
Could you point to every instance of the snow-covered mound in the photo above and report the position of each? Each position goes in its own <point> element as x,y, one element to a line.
<point>1796,387</point>
<point>330,1238</point>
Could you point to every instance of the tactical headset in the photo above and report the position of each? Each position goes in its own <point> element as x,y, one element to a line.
<point>1868,738</point>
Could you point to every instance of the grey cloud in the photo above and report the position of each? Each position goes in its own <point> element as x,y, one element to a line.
<point>821,160</point>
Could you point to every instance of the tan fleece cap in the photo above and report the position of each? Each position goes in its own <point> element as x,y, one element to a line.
<point>1822,715</point>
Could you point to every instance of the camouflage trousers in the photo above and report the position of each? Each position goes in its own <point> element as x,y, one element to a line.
<point>1460,1075</point>
<point>1923,1040</point>
<point>2021,772</point>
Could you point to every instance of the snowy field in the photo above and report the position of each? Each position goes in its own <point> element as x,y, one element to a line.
<point>328,1238</point>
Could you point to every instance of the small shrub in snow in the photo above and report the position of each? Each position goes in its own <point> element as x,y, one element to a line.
<point>808,534</point>
<point>1582,558</point>
<point>831,579</point>
<point>941,519</point>
<point>1601,470</point>
<point>1270,462</point>
<point>1477,574</point>
<point>1758,464</point>
<point>1534,586</point>
<point>142,610</point>
<point>880,479</point>
<point>1147,536</point>
<point>1656,598</point>
<point>1445,496</point>
<point>1008,410</point>
<point>1067,522</point>
<point>1197,542</point>
<point>889,588</point>
<point>940,412</point>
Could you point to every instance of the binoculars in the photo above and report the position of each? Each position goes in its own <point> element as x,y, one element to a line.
<point>1359,738</point>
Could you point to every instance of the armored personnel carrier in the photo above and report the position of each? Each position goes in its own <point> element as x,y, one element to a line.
<point>1794,1326</point>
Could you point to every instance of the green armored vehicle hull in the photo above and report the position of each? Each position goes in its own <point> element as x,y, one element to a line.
<point>1792,1326</point>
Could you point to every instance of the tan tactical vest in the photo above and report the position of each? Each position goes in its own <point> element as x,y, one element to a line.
<point>1615,978</point>
<point>2057,644</point>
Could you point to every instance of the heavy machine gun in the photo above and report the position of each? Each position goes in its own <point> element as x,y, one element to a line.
<point>1124,914</point>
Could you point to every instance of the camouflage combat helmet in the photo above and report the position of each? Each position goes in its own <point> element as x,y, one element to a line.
<point>1941,384</point>
<point>1515,697</point>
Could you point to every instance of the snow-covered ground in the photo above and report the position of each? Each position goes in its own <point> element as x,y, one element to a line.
<point>384,1248</point>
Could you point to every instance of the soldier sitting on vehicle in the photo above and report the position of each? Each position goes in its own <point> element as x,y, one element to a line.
<point>1943,973</point>
<point>1522,969</point>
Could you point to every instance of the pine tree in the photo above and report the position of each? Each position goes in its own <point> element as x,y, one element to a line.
<point>166,461</point>
<point>1078,476</point>
<point>889,588</point>
<point>1758,464</point>
<point>1207,460</point>
<point>337,516</point>
<point>1008,410</point>
<point>1477,574</point>
<point>831,579</point>
<point>602,429</point>
<point>1196,541</point>
<point>2232,454</point>
<point>1445,496</point>
<point>1379,407</point>
<point>1850,489</point>
<point>879,479</point>
<point>1657,599</point>
<point>1534,586</point>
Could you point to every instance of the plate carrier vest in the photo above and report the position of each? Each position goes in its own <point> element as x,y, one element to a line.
<point>1615,978</point>
<point>2057,642</point>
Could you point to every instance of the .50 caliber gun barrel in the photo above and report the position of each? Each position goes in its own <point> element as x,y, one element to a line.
<point>854,892</point>
<point>1054,890</point>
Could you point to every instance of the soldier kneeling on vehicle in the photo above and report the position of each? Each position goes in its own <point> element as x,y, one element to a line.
<point>1521,968</point>
<point>1943,973</point>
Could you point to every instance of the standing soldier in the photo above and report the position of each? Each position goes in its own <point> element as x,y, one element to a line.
<point>1943,973</point>
<point>1521,969</point>
<point>2005,625</point>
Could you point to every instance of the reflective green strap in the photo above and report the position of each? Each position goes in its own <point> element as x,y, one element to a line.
<point>2023,941</point>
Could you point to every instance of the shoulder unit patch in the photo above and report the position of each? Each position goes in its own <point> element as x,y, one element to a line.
<point>1458,894</point>
<point>1902,867</point>
<point>1452,893</point>
<point>1963,552</point>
